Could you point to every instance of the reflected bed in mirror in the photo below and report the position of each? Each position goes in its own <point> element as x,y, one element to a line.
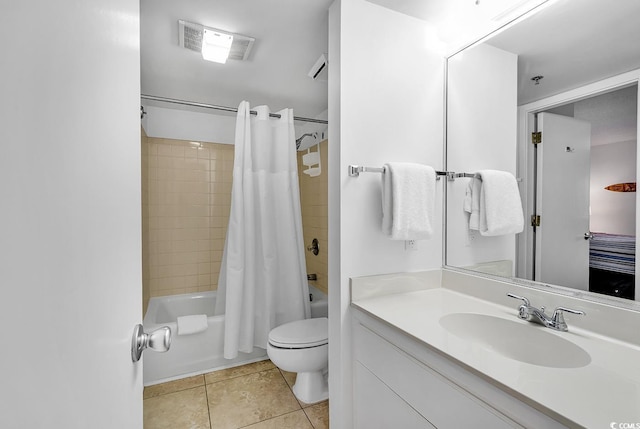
<point>569,71</point>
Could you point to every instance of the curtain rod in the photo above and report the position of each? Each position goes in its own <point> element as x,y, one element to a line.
<point>224,108</point>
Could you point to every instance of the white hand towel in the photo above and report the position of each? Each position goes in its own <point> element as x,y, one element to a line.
<point>472,202</point>
<point>500,207</point>
<point>408,201</point>
<point>193,324</point>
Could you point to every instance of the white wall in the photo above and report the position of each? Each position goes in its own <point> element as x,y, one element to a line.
<point>389,104</point>
<point>613,212</point>
<point>481,134</point>
<point>178,124</point>
<point>208,126</point>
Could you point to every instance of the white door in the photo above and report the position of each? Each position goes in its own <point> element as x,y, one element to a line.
<point>70,260</point>
<point>562,253</point>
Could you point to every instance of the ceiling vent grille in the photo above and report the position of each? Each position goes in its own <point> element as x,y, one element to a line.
<point>190,35</point>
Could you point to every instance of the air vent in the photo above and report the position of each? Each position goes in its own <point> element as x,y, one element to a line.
<point>319,69</point>
<point>190,35</point>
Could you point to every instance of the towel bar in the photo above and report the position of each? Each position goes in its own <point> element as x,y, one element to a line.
<point>469,175</point>
<point>475,176</point>
<point>355,170</point>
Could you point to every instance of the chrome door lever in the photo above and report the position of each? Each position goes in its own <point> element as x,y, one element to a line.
<point>158,340</point>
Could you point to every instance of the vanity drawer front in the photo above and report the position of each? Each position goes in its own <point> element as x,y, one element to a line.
<point>377,406</point>
<point>436,398</point>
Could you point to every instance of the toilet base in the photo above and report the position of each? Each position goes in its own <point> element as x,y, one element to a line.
<point>311,387</point>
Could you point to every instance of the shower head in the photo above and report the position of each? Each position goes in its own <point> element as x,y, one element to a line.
<point>299,140</point>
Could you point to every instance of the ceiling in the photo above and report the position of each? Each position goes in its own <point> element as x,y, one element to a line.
<point>290,37</point>
<point>457,22</point>
<point>576,42</point>
<point>569,42</point>
<point>572,43</point>
<point>613,116</point>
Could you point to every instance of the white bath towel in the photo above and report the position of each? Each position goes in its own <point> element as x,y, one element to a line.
<point>408,201</point>
<point>494,204</point>
<point>193,324</point>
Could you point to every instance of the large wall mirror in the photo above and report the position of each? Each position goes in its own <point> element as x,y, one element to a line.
<point>568,70</point>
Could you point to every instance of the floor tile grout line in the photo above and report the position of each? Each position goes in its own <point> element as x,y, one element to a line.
<point>206,396</point>
<point>186,390</point>
<point>290,389</point>
<point>302,404</point>
<point>175,391</point>
<point>272,417</point>
<point>312,406</point>
<point>307,416</point>
<point>236,376</point>
<point>288,412</point>
<point>203,383</point>
<point>275,417</point>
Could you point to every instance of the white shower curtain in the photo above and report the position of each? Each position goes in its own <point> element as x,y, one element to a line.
<point>263,280</point>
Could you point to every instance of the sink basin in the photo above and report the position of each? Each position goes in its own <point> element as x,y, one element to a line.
<point>521,341</point>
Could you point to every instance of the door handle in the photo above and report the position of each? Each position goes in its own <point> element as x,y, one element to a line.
<point>588,235</point>
<point>158,340</point>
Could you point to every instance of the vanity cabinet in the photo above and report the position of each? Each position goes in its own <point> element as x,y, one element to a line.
<point>402,382</point>
<point>377,406</point>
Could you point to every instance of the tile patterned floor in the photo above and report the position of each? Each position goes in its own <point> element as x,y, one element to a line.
<point>255,396</point>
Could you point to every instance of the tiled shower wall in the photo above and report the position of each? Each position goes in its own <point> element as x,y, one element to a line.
<point>313,198</point>
<point>186,191</point>
<point>188,197</point>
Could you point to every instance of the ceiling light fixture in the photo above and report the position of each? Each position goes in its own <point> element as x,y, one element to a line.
<point>216,45</point>
<point>191,36</point>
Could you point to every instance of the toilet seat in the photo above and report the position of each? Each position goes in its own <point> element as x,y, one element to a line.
<point>301,334</point>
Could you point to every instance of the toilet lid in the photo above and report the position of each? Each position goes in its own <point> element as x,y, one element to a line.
<point>301,334</point>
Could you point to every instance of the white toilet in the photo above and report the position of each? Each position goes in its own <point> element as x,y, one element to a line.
<point>303,347</point>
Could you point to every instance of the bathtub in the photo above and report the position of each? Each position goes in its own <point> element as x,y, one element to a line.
<point>319,303</point>
<point>202,352</point>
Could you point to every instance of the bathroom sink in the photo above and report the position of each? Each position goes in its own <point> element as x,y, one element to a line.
<point>521,341</point>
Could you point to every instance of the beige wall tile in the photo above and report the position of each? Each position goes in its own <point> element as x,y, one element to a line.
<point>187,199</point>
<point>180,209</point>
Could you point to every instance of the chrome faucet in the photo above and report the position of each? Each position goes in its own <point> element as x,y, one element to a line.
<point>532,314</point>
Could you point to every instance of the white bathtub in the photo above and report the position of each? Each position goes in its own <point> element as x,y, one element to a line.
<point>319,303</point>
<point>202,352</point>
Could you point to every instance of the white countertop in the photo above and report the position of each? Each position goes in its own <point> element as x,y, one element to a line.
<point>604,391</point>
